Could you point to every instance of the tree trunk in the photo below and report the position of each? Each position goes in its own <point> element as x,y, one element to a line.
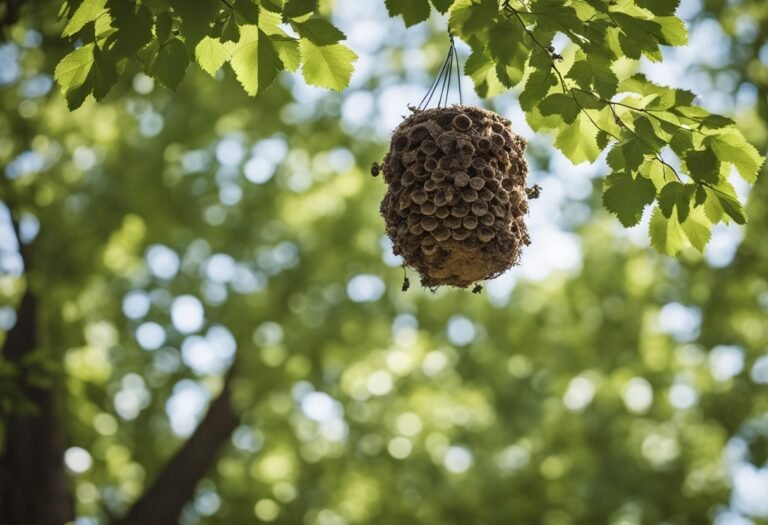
<point>33,484</point>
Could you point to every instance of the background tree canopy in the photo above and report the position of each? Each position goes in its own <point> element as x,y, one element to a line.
<point>202,318</point>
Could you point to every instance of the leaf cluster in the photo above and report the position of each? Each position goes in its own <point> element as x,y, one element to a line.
<point>582,97</point>
<point>165,36</point>
<point>582,94</point>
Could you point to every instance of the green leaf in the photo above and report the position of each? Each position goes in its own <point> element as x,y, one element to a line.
<point>482,70</point>
<point>85,13</point>
<point>327,66</point>
<point>638,36</point>
<point>288,50</point>
<point>298,8</point>
<point>659,7</point>
<point>560,104</point>
<point>103,73</point>
<point>657,172</point>
<point>276,6</point>
<point>247,10</point>
<point>703,165</point>
<point>506,45</point>
<point>667,236</point>
<point>442,5</point>
<point>211,54</point>
<point>698,229</point>
<point>470,18</point>
<point>73,75</point>
<point>673,31</point>
<point>729,202</point>
<point>594,71</point>
<point>712,207</point>
<point>133,24</point>
<point>319,31</point>
<point>170,63</point>
<point>628,154</point>
<point>539,82</point>
<point>196,19</point>
<point>230,32</point>
<point>676,195</point>
<point>413,11</point>
<point>163,26</point>
<point>731,147</point>
<point>255,60</point>
<point>577,140</point>
<point>605,80</point>
<point>627,196</point>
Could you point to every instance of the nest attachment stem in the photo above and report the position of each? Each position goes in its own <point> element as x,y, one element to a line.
<point>444,80</point>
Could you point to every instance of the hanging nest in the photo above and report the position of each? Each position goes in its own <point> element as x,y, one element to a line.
<point>456,195</point>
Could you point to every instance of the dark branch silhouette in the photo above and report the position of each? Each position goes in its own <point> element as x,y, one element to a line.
<point>163,502</point>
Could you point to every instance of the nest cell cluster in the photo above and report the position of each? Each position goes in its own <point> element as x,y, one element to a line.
<point>456,198</point>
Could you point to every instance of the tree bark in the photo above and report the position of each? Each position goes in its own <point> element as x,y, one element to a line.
<point>34,489</point>
<point>175,486</point>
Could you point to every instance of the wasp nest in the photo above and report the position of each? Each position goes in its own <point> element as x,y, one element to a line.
<point>456,195</point>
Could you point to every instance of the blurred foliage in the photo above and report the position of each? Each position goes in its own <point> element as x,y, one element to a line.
<point>629,390</point>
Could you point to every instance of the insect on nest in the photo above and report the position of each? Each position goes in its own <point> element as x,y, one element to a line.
<point>456,196</point>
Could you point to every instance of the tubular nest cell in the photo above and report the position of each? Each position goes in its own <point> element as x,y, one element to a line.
<point>456,196</point>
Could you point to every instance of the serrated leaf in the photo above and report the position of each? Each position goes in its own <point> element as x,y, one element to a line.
<point>673,30</point>
<point>230,32</point>
<point>605,80</point>
<point>170,63</point>
<point>103,73</point>
<point>470,18</point>
<point>319,31</point>
<point>657,172</point>
<point>731,206</point>
<point>560,104</point>
<point>539,82</point>
<point>506,45</point>
<point>247,10</point>
<point>86,12</point>
<point>73,75</point>
<point>628,154</point>
<point>638,36</point>
<point>276,6</point>
<point>298,8</point>
<point>288,50</point>
<point>703,165</point>
<point>712,208</point>
<point>730,146</point>
<point>698,229</point>
<point>578,141</point>
<point>442,5</point>
<point>659,7</point>
<point>667,236</point>
<point>196,19</point>
<point>328,66</point>
<point>255,60</point>
<point>413,11</point>
<point>133,27</point>
<point>482,70</point>
<point>211,54</point>
<point>627,196</point>
<point>163,26</point>
<point>676,195</point>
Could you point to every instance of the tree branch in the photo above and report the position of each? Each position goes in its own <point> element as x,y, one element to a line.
<point>163,502</point>
<point>10,14</point>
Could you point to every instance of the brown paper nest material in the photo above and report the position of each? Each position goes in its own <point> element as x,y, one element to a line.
<point>456,196</point>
